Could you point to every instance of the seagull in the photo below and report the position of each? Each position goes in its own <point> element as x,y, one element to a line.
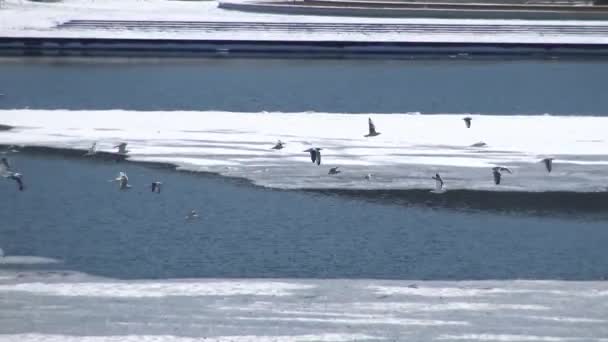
<point>6,172</point>
<point>548,164</point>
<point>368,177</point>
<point>10,149</point>
<point>500,169</point>
<point>438,183</point>
<point>334,171</point>
<point>372,129</point>
<point>122,148</point>
<point>279,145</point>
<point>479,144</point>
<point>315,154</point>
<point>156,187</point>
<point>497,176</point>
<point>92,150</point>
<point>123,181</point>
<point>192,215</point>
<point>467,121</point>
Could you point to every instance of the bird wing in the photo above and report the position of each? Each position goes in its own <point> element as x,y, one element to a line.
<point>496,177</point>
<point>5,165</point>
<point>372,127</point>
<point>548,163</point>
<point>313,155</point>
<point>19,182</point>
<point>318,157</point>
<point>505,169</point>
<point>438,184</point>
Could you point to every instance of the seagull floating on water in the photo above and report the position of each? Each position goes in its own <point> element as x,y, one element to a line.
<point>279,145</point>
<point>548,164</point>
<point>334,171</point>
<point>92,150</point>
<point>315,154</point>
<point>372,129</point>
<point>467,121</point>
<point>7,172</point>
<point>122,148</point>
<point>479,144</point>
<point>10,149</point>
<point>156,187</point>
<point>192,215</point>
<point>438,183</point>
<point>123,181</point>
<point>368,176</point>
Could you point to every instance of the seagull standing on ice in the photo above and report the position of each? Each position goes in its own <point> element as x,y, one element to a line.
<point>279,145</point>
<point>467,121</point>
<point>6,172</point>
<point>92,150</point>
<point>156,187</point>
<point>315,154</point>
<point>122,148</point>
<point>334,171</point>
<point>438,183</point>
<point>548,164</point>
<point>372,129</point>
<point>123,181</point>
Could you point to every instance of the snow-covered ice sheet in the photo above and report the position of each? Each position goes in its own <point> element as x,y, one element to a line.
<point>31,19</point>
<point>410,149</point>
<point>38,307</point>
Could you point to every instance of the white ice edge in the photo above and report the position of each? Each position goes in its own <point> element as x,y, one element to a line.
<point>409,151</point>
<point>328,337</point>
<point>157,290</point>
<point>29,19</point>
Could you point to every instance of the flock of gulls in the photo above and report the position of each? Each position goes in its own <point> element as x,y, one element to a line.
<point>315,156</point>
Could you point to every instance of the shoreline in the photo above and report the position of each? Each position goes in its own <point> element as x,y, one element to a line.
<point>124,47</point>
<point>563,204</point>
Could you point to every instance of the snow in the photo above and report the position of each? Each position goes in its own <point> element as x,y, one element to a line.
<point>143,290</point>
<point>20,18</point>
<point>410,149</point>
<point>38,308</point>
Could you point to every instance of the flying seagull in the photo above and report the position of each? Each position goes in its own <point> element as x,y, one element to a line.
<point>500,169</point>
<point>372,129</point>
<point>334,171</point>
<point>7,172</point>
<point>315,154</point>
<point>192,215</point>
<point>122,148</point>
<point>123,181</point>
<point>467,121</point>
<point>548,164</point>
<point>497,175</point>
<point>92,150</point>
<point>279,145</point>
<point>156,187</point>
<point>438,183</point>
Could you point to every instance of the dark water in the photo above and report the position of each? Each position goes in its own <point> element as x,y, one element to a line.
<point>353,86</point>
<point>71,212</point>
